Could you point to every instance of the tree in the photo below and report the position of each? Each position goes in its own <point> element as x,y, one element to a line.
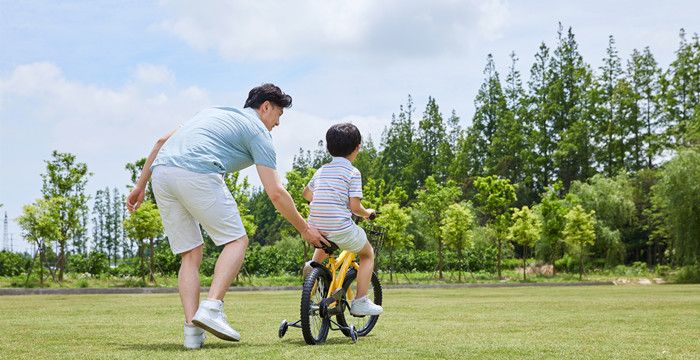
<point>395,219</point>
<point>143,224</point>
<point>431,148</point>
<point>676,197</point>
<point>397,154</point>
<point>579,232</point>
<point>539,110</point>
<point>552,211</point>
<point>525,230</point>
<point>644,77</point>
<point>433,200</point>
<point>40,227</point>
<point>681,97</point>
<point>66,179</point>
<point>494,197</point>
<point>456,230</point>
<point>241,192</point>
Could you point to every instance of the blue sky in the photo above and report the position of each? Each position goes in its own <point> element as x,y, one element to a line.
<point>104,79</point>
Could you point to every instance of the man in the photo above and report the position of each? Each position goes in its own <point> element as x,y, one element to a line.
<point>187,165</point>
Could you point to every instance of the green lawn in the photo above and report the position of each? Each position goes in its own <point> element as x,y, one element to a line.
<point>604,322</point>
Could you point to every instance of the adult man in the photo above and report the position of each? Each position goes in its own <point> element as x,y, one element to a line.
<point>187,165</point>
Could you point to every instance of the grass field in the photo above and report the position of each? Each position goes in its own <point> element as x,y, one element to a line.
<point>598,322</point>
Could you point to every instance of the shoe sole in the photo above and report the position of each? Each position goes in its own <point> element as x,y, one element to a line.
<point>215,332</point>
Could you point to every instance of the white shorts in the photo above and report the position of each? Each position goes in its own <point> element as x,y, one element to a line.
<point>352,240</point>
<point>187,199</point>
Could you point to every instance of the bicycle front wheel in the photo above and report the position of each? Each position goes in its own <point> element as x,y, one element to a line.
<point>364,324</point>
<point>313,326</point>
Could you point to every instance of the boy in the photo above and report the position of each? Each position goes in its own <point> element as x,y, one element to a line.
<point>334,191</point>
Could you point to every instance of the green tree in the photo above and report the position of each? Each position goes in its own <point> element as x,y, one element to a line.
<point>494,197</point>
<point>66,178</point>
<point>395,219</point>
<point>579,233</point>
<point>432,201</point>
<point>676,197</point>
<point>552,211</point>
<point>40,227</point>
<point>681,97</point>
<point>456,230</point>
<point>397,155</point>
<point>143,224</point>
<point>241,192</point>
<point>539,111</point>
<point>524,230</point>
<point>431,147</point>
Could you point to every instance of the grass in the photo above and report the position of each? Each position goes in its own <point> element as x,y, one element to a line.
<point>598,322</point>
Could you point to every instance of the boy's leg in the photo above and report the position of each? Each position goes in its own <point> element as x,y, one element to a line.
<point>364,274</point>
<point>319,256</point>
<point>227,267</point>
<point>188,282</point>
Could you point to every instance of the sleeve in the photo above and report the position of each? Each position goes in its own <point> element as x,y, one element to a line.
<point>262,151</point>
<point>312,183</point>
<point>356,184</point>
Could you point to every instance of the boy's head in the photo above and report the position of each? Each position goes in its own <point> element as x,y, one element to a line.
<point>342,139</point>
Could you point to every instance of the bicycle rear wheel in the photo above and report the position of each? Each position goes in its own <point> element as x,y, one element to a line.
<point>313,326</point>
<point>363,325</point>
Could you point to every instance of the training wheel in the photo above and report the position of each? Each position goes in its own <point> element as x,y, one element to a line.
<point>283,328</point>
<point>353,334</point>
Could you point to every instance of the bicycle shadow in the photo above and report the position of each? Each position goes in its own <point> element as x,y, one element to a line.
<point>177,346</point>
<point>330,341</point>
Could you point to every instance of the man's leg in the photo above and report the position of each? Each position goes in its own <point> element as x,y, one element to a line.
<point>188,282</point>
<point>227,267</point>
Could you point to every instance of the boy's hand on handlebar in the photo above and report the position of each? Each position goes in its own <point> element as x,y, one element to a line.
<point>314,238</point>
<point>372,214</point>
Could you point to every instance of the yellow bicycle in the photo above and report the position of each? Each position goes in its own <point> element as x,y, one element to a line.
<point>328,290</point>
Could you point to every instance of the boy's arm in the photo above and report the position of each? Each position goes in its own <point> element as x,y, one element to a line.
<point>357,208</point>
<point>308,194</point>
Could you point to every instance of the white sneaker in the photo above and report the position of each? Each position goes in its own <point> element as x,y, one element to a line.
<point>194,337</point>
<point>307,269</point>
<point>211,317</point>
<point>364,306</point>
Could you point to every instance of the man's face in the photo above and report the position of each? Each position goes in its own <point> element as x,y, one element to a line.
<point>270,114</point>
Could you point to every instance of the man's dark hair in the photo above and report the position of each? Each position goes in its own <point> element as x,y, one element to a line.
<point>342,139</point>
<point>265,92</point>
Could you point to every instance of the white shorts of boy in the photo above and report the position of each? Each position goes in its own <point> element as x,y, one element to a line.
<point>187,199</point>
<point>353,239</point>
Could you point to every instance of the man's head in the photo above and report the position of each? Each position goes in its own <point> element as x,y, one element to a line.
<point>343,139</point>
<point>269,102</point>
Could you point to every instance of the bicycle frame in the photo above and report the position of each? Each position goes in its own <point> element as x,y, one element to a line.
<point>342,262</point>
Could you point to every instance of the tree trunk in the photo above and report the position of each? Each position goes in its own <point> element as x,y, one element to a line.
<point>524,263</point>
<point>61,259</point>
<point>459,265</point>
<point>391,260</point>
<point>580,266</point>
<point>150,265</point>
<point>143,267</point>
<point>42,257</point>
<point>498,257</point>
<point>440,259</point>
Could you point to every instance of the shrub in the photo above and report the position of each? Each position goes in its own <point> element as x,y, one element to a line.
<point>12,264</point>
<point>689,274</point>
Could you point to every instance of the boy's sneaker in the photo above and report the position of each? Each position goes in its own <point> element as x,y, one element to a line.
<point>364,306</point>
<point>194,337</point>
<point>307,269</point>
<point>210,317</point>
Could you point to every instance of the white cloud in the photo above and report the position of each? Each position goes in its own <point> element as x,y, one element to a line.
<point>154,74</point>
<point>273,30</point>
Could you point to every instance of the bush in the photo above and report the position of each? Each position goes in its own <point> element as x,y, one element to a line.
<point>96,263</point>
<point>688,275</point>
<point>164,261</point>
<point>12,264</point>
<point>123,270</point>
<point>567,264</point>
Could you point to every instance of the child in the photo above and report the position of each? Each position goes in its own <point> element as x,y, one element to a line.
<point>334,191</point>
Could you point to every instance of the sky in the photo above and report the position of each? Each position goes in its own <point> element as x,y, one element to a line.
<point>104,79</point>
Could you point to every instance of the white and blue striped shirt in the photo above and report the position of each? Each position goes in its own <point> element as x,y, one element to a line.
<point>333,185</point>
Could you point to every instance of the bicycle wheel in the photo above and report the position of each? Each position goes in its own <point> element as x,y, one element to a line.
<point>313,326</point>
<point>363,325</point>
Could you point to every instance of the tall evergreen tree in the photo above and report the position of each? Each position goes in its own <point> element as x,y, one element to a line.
<point>648,127</point>
<point>430,145</point>
<point>539,111</point>
<point>682,98</point>
<point>397,154</point>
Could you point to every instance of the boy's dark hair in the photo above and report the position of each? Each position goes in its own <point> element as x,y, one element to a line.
<point>264,92</point>
<point>342,139</point>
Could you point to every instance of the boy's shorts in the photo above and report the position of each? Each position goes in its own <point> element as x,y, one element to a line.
<point>353,239</point>
<point>187,199</point>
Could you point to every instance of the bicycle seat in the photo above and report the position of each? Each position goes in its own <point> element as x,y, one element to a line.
<point>329,249</point>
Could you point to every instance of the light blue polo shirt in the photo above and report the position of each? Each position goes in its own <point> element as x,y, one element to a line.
<point>219,140</point>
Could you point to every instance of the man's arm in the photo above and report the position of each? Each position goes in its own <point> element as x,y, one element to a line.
<point>285,205</point>
<point>308,194</point>
<point>135,198</point>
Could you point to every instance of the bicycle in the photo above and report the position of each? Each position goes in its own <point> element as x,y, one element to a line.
<point>328,290</point>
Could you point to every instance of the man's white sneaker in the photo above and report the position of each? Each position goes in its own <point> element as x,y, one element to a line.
<point>194,337</point>
<point>210,317</point>
<point>364,306</point>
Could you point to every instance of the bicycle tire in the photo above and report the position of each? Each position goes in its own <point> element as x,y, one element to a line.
<point>363,325</point>
<point>313,326</point>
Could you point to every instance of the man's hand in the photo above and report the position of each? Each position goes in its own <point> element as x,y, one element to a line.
<point>371,214</point>
<point>314,238</point>
<point>135,198</point>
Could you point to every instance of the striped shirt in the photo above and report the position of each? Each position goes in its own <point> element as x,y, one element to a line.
<point>333,185</point>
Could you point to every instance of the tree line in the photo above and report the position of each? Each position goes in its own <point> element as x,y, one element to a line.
<point>575,167</point>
